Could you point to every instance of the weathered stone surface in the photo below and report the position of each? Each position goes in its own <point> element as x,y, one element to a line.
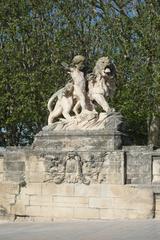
<point>86,213</point>
<point>33,211</point>
<point>78,167</point>
<point>156,169</point>
<point>14,164</point>
<point>1,164</point>
<point>10,188</point>
<point>124,214</point>
<point>139,167</point>
<point>73,201</point>
<point>40,200</point>
<point>33,188</point>
<point>157,205</point>
<point>78,140</point>
<point>1,167</point>
<point>63,212</point>
<point>92,190</point>
<point>92,182</point>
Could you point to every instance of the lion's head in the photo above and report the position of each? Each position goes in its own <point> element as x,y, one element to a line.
<point>104,65</point>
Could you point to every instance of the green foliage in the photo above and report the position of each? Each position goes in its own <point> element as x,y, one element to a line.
<point>36,36</point>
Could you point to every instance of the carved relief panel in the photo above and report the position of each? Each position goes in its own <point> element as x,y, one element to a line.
<point>86,168</point>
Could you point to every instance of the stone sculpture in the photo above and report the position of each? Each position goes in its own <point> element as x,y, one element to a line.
<point>77,101</point>
<point>79,83</point>
<point>101,82</point>
<point>63,105</point>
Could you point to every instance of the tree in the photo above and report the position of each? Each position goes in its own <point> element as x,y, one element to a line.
<point>36,36</point>
<point>134,45</point>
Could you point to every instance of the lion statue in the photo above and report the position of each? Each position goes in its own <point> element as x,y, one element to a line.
<point>80,93</point>
<point>101,82</point>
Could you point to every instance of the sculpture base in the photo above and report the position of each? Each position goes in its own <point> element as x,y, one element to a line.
<point>76,140</point>
<point>89,120</point>
<point>86,132</point>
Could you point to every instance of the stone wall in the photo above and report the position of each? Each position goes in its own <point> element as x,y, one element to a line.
<point>46,185</point>
<point>14,164</point>
<point>77,201</point>
<point>8,194</point>
<point>142,165</point>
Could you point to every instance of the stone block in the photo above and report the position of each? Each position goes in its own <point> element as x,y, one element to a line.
<point>24,198</point>
<point>11,188</point>
<point>7,199</point>
<point>7,218</point>
<point>34,177</point>
<point>34,164</point>
<point>1,165</point>
<point>127,197</point>
<point>31,161</point>
<point>58,190</point>
<point>47,211</point>
<point>17,166</point>
<point>65,190</point>
<point>86,213</point>
<point>19,208</point>
<point>15,154</point>
<point>157,204</point>
<point>49,188</point>
<point>70,201</point>
<point>104,191</point>
<point>157,214</point>
<point>100,202</point>
<point>64,212</point>
<point>133,202</point>
<point>35,219</point>
<point>139,167</point>
<point>125,214</point>
<point>92,190</point>
<point>114,178</point>
<point>78,140</point>
<point>40,200</point>
<point>32,158</point>
<point>33,211</point>
<point>33,188</point>
<point>156,169</point>
<point>1,177</point>
<point>11,198</point>
<point>126,190</point>
<point>13,176</point>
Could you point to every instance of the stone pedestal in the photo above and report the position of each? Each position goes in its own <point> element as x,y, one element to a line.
<point>86,156</point>
<point>78,140</point>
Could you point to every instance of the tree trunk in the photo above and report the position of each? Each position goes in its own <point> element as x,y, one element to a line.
<point>154,131</point>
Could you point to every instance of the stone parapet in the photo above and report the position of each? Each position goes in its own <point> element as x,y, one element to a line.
<point>93,180</point>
